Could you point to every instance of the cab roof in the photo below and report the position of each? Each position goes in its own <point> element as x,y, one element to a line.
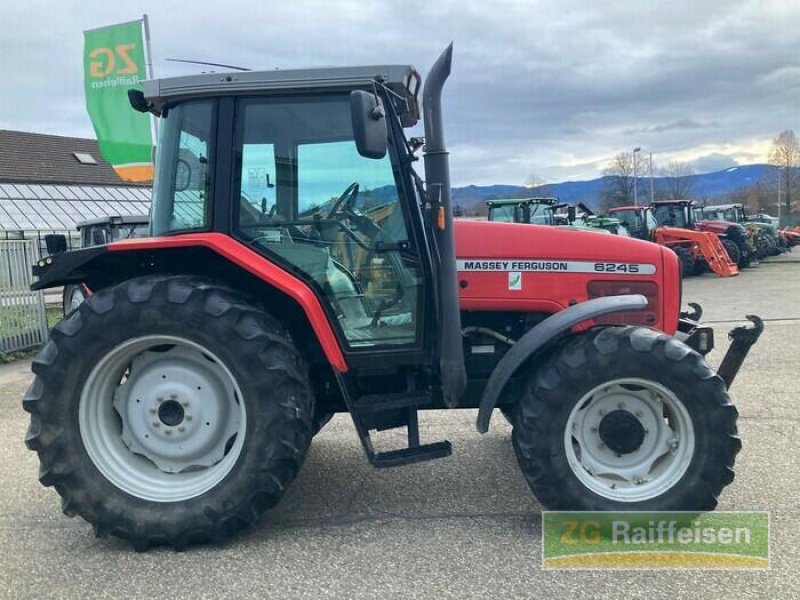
<point>518,201</point>
<point>401,79</point>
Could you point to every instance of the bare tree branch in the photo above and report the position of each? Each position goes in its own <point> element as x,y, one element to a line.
<point>785,154</point>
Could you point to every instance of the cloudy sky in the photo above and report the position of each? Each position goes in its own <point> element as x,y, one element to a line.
<point>539,88</point>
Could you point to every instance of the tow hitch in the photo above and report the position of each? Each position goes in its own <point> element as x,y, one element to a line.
<point>742,338</point>
<point>701,338</point>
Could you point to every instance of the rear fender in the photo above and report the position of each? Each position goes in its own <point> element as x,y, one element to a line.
<point>102,266</point>
<point>541,336</point>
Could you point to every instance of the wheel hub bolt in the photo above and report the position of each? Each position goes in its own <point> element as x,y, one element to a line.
<point>156,424</point>
<point>181,428</point>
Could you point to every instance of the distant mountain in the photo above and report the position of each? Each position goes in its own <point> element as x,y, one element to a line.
<point>705,185</point>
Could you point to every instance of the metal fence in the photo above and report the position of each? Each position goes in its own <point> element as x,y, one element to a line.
<point>23,321</point>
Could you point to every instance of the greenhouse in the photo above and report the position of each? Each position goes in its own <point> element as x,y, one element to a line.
<point>49,184</point>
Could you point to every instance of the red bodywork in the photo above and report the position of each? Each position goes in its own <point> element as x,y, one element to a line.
<point>541,292</point>
<point>718,227</point>
<point>549,291</point>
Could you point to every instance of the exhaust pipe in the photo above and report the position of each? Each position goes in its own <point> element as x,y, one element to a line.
<point>437,175</point>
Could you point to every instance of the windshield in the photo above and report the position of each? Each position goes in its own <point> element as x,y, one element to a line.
<point>670,215</point>
<point>502,213</point>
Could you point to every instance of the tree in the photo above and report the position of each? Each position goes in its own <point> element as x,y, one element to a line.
<point>785,155</point>
<point>619,184</point>
<point>677,182</point>
<point>755,198</point>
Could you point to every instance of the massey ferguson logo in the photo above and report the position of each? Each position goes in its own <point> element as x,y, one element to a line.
<point>555,266</point>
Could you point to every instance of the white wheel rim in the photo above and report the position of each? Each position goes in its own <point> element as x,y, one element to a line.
<point>76,298</point>
<point>162,418</point>
<point>604,427</point>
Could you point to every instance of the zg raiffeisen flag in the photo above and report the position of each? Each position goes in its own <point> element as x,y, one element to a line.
<point>114,62</point>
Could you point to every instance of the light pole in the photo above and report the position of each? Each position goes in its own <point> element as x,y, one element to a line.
<point>652,192</point>
<point>635,183</point>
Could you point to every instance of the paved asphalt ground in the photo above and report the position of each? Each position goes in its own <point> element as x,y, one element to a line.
<point>459,527</point>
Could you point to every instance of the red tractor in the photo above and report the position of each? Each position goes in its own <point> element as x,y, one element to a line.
<point>299,267</point>
<point>697,251</point>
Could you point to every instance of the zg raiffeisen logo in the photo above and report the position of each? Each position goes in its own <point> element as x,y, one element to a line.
<point>655,540</point>
<point>113,67</point>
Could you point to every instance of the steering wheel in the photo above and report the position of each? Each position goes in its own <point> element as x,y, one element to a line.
<point>345,202</point>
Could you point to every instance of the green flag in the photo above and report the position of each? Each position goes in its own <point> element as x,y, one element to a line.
<point>114,62</point>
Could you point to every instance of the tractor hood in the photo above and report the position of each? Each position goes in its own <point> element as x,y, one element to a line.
<point>716,226</point>
<point>495,240</point>
<point>768,227</point>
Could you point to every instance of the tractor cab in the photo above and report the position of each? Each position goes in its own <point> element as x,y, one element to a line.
<point>673,213</point>
<point>537,211</point>
<point>637,220</point>
<point>104,230</point>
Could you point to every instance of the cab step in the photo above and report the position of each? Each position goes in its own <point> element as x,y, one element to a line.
<point>414,454</point>
<point>379,412</point>
<point>382,402</point>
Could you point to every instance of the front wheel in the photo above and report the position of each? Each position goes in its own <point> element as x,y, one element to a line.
<point>734,253</point>
<point>169,410</point>
<point>626,418</point>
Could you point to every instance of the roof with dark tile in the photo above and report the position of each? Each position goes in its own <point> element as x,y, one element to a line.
<point>43,158</point>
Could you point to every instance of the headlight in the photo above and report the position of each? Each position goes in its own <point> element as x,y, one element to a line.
<point>648,289</point>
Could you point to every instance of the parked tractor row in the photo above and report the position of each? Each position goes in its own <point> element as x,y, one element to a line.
<point>722,239</point>
<point>177,403</point>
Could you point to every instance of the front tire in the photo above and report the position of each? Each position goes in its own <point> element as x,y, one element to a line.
<point>169,410</point>
<point>626,419</point>
<point>734,253</point>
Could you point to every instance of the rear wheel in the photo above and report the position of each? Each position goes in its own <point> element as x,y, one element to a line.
<point>626,419</point>
<point>72,297</point>
<point>169,411</point>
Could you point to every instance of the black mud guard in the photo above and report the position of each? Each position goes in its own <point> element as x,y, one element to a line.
<point>541,335</point>
<point>67,267</point>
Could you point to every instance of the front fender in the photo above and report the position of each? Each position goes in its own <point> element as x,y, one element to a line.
<point>541,335</point>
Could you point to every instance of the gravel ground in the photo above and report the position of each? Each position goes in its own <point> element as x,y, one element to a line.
<point>459,527</point>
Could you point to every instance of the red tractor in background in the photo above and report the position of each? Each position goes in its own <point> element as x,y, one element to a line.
<point>697,251</point>
<point>299,267</point>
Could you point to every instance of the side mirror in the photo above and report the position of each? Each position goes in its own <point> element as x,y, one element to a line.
<point>56,243</point>
<point>369,124</point>
<point>183,175</point>
<point>571,214</point>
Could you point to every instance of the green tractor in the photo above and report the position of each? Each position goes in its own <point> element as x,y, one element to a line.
<point>549,211</point>
<point>762,235</point>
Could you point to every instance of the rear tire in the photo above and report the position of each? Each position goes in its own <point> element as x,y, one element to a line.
<point>72,297</point>
<point>177,346</point>
<point>626,419</point>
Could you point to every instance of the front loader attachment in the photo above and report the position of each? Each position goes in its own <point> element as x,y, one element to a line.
<point>708,246</point>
